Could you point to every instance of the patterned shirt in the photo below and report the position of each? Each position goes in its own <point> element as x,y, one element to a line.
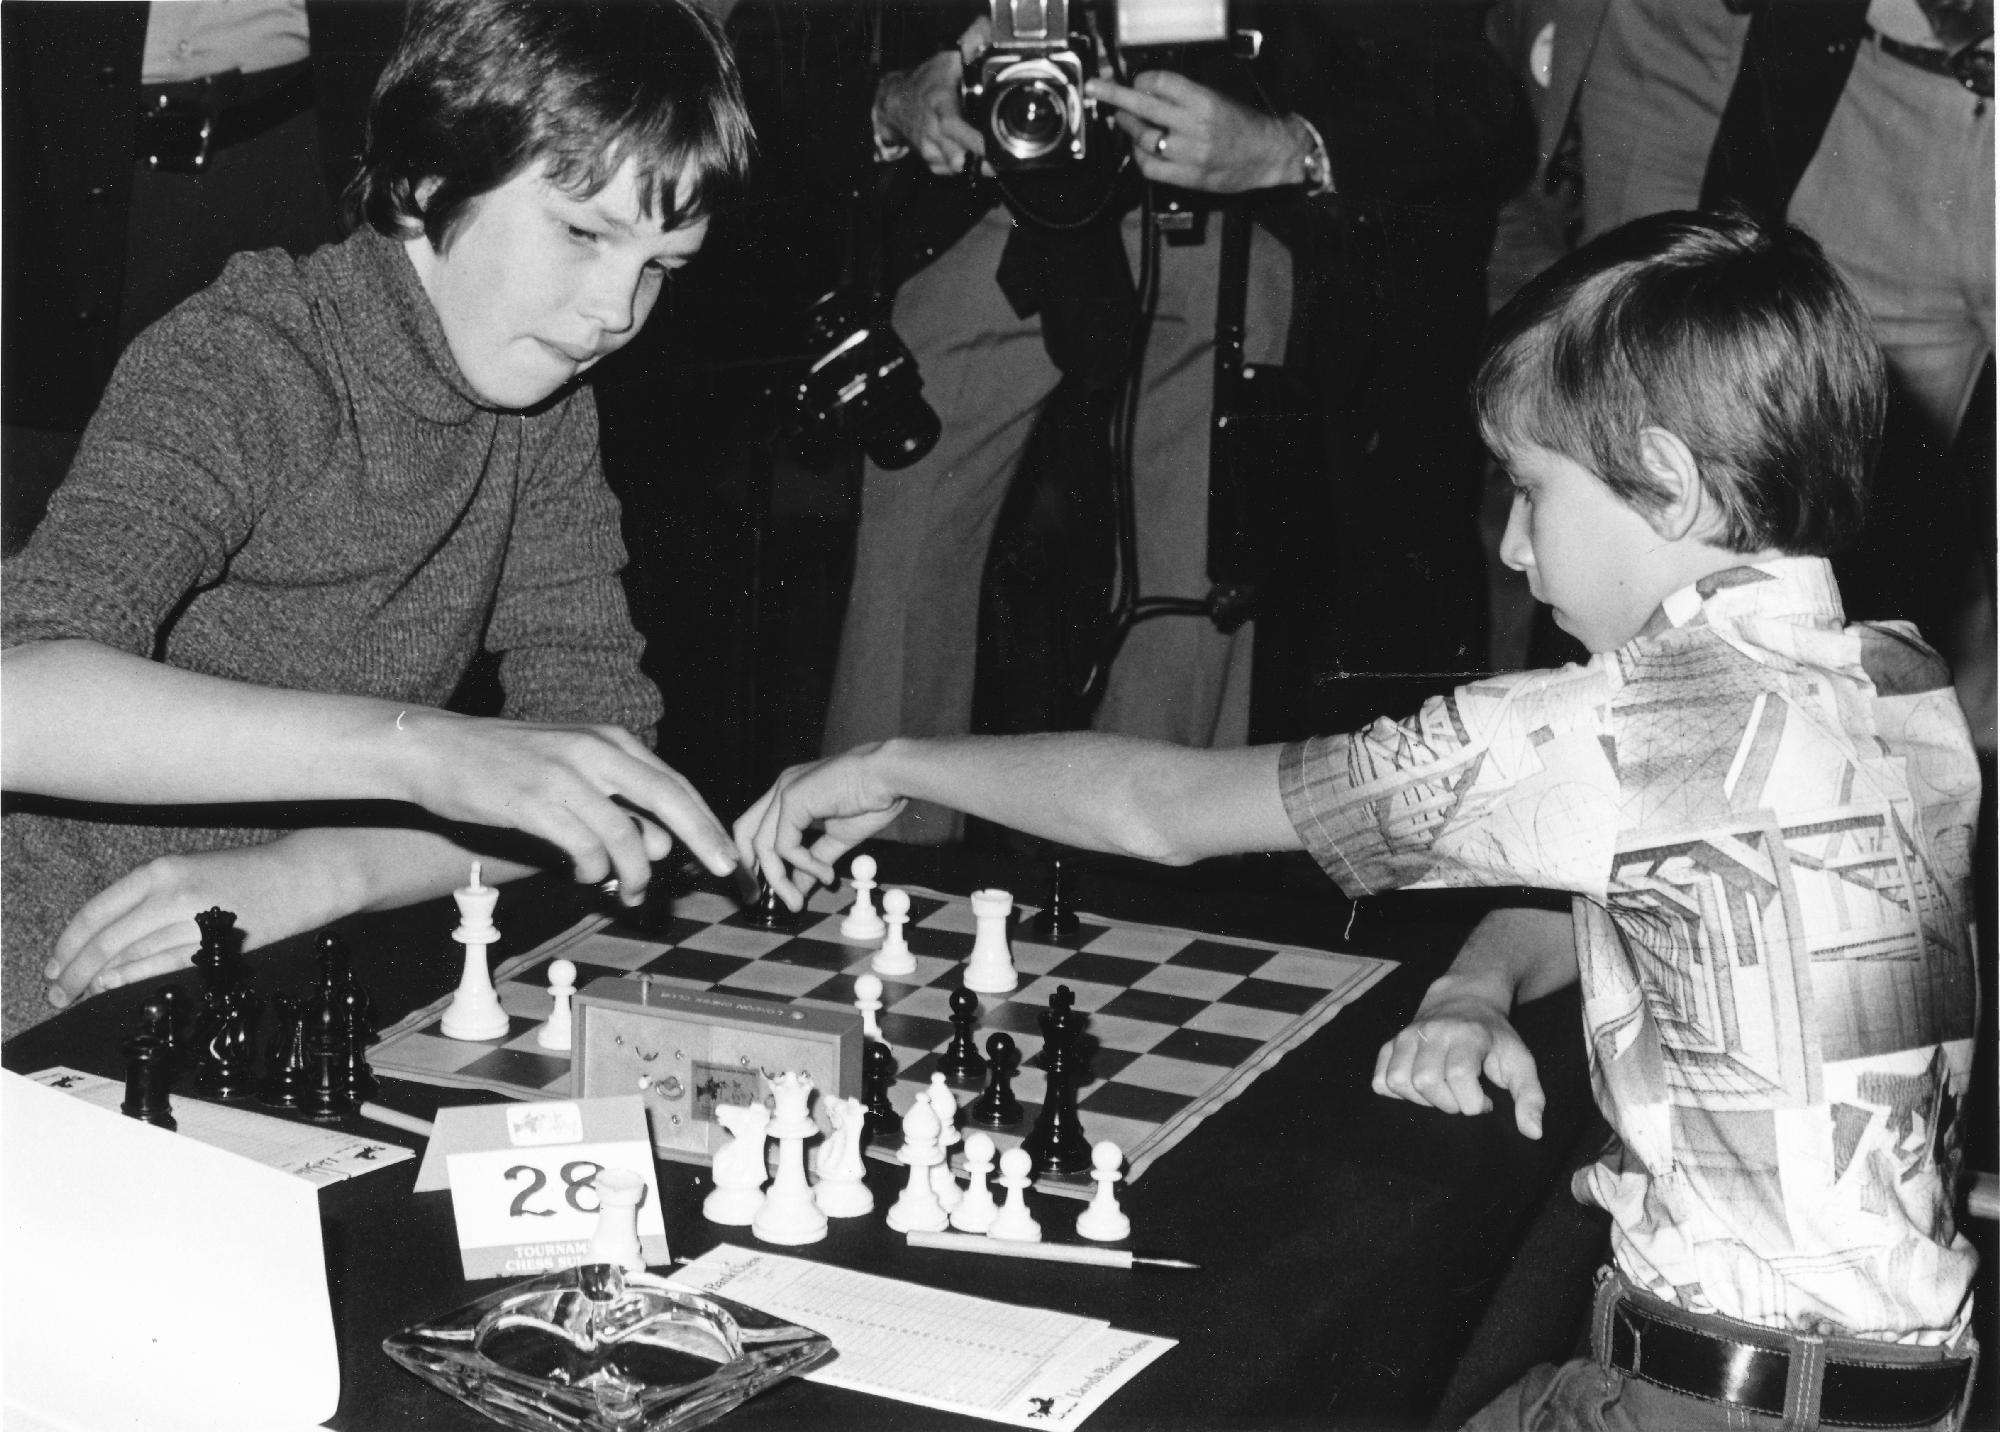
<point>1766,821</point>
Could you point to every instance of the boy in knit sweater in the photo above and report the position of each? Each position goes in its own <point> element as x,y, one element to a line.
<point>313,494</point>
<point>1763,817</point>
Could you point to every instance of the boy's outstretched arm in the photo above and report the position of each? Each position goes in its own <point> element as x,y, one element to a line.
<point>87,722</point>
<point>1462,1031</point>
<point>1117,794</point>
<point>143,924</point>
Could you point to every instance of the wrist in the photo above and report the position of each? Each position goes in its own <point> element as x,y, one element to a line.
<point>1456,992</point>
<point>412,750</point>
<point>328,879</point>
<point>1307,163</point>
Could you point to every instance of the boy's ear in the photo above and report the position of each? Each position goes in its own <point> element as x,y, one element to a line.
<point>1672,467</point>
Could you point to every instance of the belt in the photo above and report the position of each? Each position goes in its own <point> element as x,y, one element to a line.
<point>182,124</point>
<point>1718,1369</point>
<point>1968,65</point>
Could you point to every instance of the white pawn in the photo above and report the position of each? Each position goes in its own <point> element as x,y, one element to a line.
<point>1104,1220</point>
<point>990,970</point>
<point>738,1166</point>
<point>788,1214</point>
<point>868,999</point>
<point>842,1190</point>
<point>555,1033</point>
<point>616,1237</point>
<point>976,1210</point>
<point>1014,1223</point>
<point>475,1012</point>
<point>894,958</point>
<point>862,924</point>
<point>917,1208</point>
<point>946,1108</point>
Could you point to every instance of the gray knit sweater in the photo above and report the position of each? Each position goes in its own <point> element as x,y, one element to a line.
<point>289,483</point>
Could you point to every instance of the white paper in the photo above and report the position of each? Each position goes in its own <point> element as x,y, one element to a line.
<point>1024,1366</point>
<point>319,1156</point>
<point>154,1283</point>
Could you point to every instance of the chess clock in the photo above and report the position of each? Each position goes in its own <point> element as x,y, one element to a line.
<point>686,1051</point>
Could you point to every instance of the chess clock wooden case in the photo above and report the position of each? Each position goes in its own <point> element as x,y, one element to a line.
<point>685,1051</point>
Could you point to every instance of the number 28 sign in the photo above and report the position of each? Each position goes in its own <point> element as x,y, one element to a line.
<point>530,1207</point>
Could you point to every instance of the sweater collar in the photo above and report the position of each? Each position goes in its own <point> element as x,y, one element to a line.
<point>401,341</point>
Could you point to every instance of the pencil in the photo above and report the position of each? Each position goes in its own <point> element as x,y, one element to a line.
<point>1051,1252</point>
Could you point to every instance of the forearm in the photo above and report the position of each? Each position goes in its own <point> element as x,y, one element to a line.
<point>382,868</point>
<point>1513,955</point>
<point>87,722</point>
<point>1117,794</point>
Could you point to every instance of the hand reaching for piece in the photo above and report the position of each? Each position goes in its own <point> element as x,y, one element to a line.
<point>836,797</point>
<point>594,792</point>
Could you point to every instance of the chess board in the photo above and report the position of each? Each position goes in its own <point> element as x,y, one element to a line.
<point>1179,1022</point>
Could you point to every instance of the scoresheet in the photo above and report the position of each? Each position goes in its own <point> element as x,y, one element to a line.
<point>1027,1367</point>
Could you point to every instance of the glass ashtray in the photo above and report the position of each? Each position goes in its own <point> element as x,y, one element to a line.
<point>597,1349</point>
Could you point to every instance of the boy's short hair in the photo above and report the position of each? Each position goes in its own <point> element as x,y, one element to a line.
<point>1739,339</point>
<point>480,89</point>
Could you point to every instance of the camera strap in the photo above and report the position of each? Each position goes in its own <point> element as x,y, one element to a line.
<point>1230,561</point>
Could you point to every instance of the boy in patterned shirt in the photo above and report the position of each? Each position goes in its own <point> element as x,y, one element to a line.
<point>1763,817</point>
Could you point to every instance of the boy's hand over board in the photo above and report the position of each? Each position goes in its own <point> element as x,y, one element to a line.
<point>143,923</point>
<point>594,792</point>
<point>1456,1037</point>
<point>834,796</point>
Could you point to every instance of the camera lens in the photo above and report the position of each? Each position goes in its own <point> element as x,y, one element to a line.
<point>865,387</point>
<point>1030,119</point>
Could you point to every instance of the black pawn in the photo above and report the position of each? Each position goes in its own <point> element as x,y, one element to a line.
<point>284,1079</point>
<point>769,913</point>
<point>1057,919</point>
<point>1057,1143</point>
<point>961,1063</point>
<point>996,1107</point>
<point>147,1078</point>
<point>878,1073</point>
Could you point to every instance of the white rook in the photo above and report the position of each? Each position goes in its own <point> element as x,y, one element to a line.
<point>991,968</point>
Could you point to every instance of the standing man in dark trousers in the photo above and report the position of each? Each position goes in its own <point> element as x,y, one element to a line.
<point>144,144</point>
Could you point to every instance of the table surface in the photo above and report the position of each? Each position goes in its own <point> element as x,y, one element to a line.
<point>1364,1262</point>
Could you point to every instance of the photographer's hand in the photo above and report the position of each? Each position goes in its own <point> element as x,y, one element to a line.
<point>1187,135</point>
<point>919,108</point>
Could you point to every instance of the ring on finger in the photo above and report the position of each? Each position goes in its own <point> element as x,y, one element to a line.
<point>1160,145</point>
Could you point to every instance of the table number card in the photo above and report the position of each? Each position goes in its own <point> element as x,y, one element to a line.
<point>521,1181</point>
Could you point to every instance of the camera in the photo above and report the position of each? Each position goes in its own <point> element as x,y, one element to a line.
<point>864,388</point>
<point>1025,93</point>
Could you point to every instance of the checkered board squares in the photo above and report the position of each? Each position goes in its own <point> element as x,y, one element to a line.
<point>1179,1022</point>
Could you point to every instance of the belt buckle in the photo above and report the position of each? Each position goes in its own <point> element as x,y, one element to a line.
<point>178,134</point>
<point>1972,67</point>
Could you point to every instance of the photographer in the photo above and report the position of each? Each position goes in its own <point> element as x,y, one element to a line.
<point>1364,108</point>
<point>996,315</point>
